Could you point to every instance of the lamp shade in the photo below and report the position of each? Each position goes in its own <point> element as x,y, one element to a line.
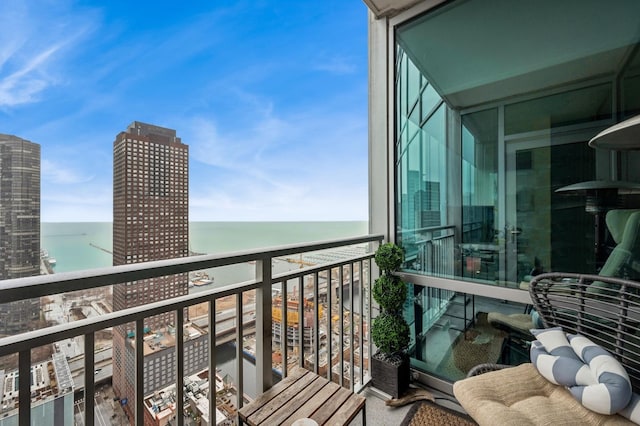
<point>622,136</point>
<point>595,185</point>
<point>601,195</point>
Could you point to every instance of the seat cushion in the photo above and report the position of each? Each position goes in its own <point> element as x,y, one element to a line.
<point>519,322</point>
<point>520,395</point>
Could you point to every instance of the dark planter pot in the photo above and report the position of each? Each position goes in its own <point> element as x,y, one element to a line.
<point>389,378</point>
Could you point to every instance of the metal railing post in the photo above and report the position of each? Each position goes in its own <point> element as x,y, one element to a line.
<point>89,378</point>
<point>139,385</point>
<point>264,345</point>
<point>239,350</point>
<point>369,303</point>
<point>284,328</point>
<point>212,359</point>
<point>24,385</point>
<point>361,321</point>
<point>300,322</point>
<point>329,324</point>
<point>351,331</point>
<point>315,335</point>
<point>341,323</point>
<point>180,366</point>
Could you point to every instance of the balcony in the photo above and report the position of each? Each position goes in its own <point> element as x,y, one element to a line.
<point>336,328</point>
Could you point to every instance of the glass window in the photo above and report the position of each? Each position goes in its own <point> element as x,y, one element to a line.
<point>495,181</point>
<point>413,85</point>
<point>453,332</point>
<point>421,178</point>
<point>430,99</point>
<point>572,107</point>
<point>479,243</point>
<point>630,84</point>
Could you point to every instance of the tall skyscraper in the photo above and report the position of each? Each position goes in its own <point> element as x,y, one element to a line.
<point>150,222</point>
<point>19,226</point>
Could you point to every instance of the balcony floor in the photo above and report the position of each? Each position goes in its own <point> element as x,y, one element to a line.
<point>378,414</point>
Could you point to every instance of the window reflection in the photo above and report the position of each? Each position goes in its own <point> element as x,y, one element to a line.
<point>482,242</point>
<point>453,332</point>
<point>478,170</point>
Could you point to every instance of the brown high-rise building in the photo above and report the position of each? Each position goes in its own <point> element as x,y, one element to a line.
<point>150,222</point>
<point>19,226</point>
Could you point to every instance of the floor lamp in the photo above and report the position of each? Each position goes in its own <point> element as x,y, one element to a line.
<point>604,195</point>
<point>601,196</point>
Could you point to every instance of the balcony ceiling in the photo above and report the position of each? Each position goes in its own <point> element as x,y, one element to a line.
<point>475,51</point>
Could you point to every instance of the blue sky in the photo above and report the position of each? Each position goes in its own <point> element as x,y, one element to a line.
<point>270,96</point>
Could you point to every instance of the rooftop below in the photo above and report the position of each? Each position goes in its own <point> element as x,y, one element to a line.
<point>165,337</point>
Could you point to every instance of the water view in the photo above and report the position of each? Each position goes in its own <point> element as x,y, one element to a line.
<point>87,245</point>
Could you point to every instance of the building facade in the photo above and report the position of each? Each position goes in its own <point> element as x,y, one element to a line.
<point>150,222</point>
<point>19,226</point>
<point>51,394</point>
<point>480,114</point>
<point>161,407</point>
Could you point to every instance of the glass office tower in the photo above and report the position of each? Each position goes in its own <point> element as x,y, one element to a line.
<point>19,227</point>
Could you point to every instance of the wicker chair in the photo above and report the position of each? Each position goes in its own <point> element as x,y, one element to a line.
<point>608,314</point>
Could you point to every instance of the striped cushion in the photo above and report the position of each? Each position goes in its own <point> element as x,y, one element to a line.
<point>592,375</point>
<point>632,410</point>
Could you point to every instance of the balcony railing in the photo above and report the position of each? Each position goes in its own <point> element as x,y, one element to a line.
<point>430,250</point>
<point>351,273</point>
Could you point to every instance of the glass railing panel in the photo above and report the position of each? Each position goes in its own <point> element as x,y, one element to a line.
<point>452,332</point>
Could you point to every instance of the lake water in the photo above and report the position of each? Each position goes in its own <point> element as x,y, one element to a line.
<point>77,246</point>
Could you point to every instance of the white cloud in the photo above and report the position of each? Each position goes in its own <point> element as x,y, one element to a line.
<point>90,197</point>
<point>86,203</point>
<point>12,35</point>
<point>248,150</point>
<point>33,39</point>
<point>335,65</point>
<point>75,186</point>
<point>80,212</point>
<point>246,201</point>
<point>297,166</point>
<point>24,84</point>
<point>58,174</point>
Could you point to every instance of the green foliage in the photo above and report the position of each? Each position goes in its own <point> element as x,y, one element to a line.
<point>390,333</point>
<point>389,257</point>
<point>389,291</point>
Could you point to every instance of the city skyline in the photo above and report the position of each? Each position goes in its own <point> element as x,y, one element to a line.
<point>271,97</point>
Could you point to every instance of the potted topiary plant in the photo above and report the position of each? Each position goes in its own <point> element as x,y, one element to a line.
<point>390,367</point>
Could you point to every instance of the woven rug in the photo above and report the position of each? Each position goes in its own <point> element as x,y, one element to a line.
<point>430,414</point>
<point>479,344</point>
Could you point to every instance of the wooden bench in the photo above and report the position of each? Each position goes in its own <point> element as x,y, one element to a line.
<point>303,394</point>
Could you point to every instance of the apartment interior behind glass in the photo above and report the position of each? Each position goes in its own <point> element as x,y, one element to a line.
<point>495,103</point>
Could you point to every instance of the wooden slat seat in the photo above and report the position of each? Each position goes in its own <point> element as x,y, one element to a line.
<point>303,394</point>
